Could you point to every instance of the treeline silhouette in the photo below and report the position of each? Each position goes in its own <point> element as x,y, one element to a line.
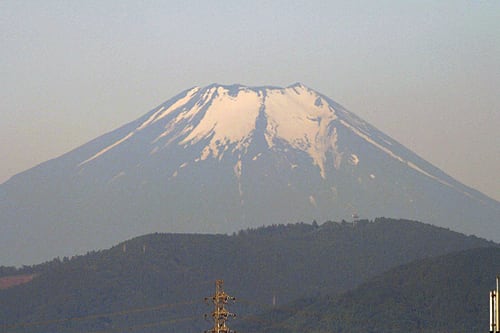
<point>264,268</point>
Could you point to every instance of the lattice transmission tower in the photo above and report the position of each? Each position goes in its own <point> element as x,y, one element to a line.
<point>220,315</point>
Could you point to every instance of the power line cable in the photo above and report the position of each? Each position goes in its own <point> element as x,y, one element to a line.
<point>142,326</point>
<point>97,315</point>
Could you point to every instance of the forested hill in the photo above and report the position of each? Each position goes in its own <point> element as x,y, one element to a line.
<point>433,295</point>
<point>162,279</point>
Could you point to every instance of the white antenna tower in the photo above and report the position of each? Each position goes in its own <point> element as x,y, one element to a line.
<point>495,308</point>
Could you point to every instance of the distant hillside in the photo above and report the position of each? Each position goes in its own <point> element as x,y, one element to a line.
<point>157,282</point>
<point>434,295</point>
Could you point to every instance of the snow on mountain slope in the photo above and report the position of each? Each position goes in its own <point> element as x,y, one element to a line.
<point>228,120</point>
<point>225,157</point>
<point>296,115</point>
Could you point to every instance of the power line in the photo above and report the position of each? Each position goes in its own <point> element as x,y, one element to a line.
<point>147,325</point>
<point>98,315</point>
<point>220,314</point>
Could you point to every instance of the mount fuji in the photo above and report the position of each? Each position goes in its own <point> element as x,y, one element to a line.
<point>220,158</point>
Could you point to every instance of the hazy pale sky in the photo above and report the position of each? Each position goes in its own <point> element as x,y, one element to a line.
<point>427,73</point>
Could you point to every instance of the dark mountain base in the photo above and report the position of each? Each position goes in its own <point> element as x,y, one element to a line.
<point>445,294</point>
<point>157,282</point>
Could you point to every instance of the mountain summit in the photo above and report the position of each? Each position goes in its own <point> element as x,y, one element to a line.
<point>221,158</point>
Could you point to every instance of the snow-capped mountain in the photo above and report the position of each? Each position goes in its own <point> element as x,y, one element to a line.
<point>221,158</point>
